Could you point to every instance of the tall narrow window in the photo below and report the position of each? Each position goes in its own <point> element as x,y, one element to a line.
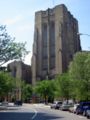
<point>52,45</point>
<point>44,35</point>
<point>44,46</point>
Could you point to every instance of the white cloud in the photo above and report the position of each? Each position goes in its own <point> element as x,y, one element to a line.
<point>13,20</point>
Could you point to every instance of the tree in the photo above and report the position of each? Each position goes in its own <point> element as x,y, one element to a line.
<point>9,49</point>
<point>45,89</point>
<point>62,83</point>
<point>87,76</point>
<point>80,75</point>
<point>6,84</point>
<point>26,91</point>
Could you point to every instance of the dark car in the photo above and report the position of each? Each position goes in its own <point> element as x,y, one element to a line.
<point>83,106</point>
<point>85,111</point>
<point>18,102</point>
<point>56,104</point>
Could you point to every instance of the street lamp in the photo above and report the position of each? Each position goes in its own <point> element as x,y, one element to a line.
<point>82,34</point>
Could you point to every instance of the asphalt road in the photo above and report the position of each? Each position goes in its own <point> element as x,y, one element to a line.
<point>37,112</point>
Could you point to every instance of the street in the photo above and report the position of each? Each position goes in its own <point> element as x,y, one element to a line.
<point>37,112</point>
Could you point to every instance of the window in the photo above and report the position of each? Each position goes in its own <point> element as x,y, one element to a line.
<point>52,62</point>
<point>44,34</point>
<point>45,64</point>
<point>52,33</point>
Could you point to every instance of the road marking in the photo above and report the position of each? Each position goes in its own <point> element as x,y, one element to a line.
<point>34,114</point>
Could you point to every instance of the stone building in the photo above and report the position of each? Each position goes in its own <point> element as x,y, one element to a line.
<point>55,42</point>
<point>20,70</point>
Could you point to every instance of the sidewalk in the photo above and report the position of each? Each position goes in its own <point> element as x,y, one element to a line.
<point>9,106</point>
<point>36,104</point>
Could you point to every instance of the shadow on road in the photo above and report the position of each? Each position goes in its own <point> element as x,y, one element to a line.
<point>26,116</point>
<point>15,116</point>
<point>44,116</point>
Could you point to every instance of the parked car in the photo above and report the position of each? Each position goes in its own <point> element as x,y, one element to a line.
<point>4,103</point>
<point>56,104</point>
<point>82,107</point>
<point>88,113</point>
<point>73,108</point>
<point>66,107</point>
<point>85,111</point>
<point>18,102</point>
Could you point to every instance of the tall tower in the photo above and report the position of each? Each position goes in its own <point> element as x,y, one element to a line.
<point>55,42</point>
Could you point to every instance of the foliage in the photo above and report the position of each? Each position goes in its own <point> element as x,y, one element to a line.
<point>9,49</point>
<point>79,71</point>
<point>6,84</point>
<point>26,91</point>
<point>77,66</point>
<point>87,77</point>
<point>45,89</point>
<point>62,84</point>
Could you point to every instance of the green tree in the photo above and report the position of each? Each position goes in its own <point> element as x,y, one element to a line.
<point>79,75</point>
<point>62,84</point>
<point>26,91</point>
<point>45,89</point>
<point>9,49</point>
<point>87,77</point>
<point>6,84</point>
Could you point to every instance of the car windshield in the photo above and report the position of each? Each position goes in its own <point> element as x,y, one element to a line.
<point>57,102</point>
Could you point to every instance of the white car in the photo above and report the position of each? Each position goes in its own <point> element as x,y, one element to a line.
<point>66,107</point>
<point>73,108</point>
<point>56,104</point>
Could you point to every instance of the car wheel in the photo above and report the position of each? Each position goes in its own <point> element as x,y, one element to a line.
<point>77,112</point>
<point>88,116</point>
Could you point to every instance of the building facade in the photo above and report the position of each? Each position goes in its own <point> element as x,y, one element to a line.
<point>21,72</point>
<point>55,42</point>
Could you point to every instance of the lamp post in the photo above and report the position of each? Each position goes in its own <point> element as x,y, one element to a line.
<point>83,34</point>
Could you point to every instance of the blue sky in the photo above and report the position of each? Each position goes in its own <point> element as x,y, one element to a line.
<point>18,16</point>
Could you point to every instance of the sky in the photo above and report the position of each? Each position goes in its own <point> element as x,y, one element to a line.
<point>18,16</point>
